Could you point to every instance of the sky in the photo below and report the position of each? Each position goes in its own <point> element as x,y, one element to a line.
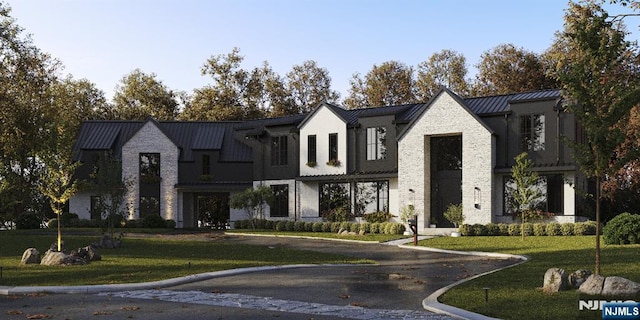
<point>103,40</point>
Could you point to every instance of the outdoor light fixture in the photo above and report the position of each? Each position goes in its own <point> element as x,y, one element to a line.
<point>477,197</point>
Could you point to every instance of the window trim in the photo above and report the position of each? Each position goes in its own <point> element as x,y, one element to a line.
<point>279,151</point>
<point>530,139</point>
<point>375,143</point>
<point>312,153</point>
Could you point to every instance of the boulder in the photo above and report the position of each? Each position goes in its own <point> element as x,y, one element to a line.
<point>87,253</point>
<point>55,258</point>
<point>30,256</point>
<point>54,246</point>
<point>577,278</point>
<point>106,242</point>
<point>593,285</point>
<point>555,280</point>
<point>618,287</point>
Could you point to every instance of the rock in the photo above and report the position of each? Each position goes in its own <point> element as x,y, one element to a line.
<point>555,280</point>
<point>55,258</point>
<point>577,278</point>
<point>106,242</point>
<point>340,230</point>
<point>30,256</point>
<point>593,285</point>
<point>618,287</point>
<point>54,246</point>
<point>87,253</point>
<point>344,233</point>
<point>361,233</point>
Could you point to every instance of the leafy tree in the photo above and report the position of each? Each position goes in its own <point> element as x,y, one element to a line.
<point>390,83</point>
<point>236,94</point>
<point>599,77</point>
<point>253,201</point>
<point>507,69</point>
<point>309,85</point>
<point>26,76</point>
<point>525,193</point>
<point>140,95</point>
<point>446,68</point>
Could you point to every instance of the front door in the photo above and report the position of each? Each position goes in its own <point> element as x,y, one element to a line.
<point>446,177</point>
<point>212,209</point>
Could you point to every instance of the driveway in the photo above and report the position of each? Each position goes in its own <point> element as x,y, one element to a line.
<point>393,288</point>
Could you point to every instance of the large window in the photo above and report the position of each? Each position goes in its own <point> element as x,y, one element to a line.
<point>279,151</point>
<point>371,197</point>
<point>552,199</point>
<point>96,208</point>
<point>376,143</point>
<point>334,196</point>
<point>333,147</point>
<point>311,148</point>
<point>532,132</point>
<point>149,167</point>
<point>206,164</point>
<point>280,205</point>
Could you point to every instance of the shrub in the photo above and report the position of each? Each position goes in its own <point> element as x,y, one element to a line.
<point>466,230</point>
<point>290,225</point>
<point>153,221</point>
<point>69,219</point>
<point>377,216</point>
<point>170,223</point>
<point>553,229</point>
<point>566,229</point>
<point>454,214</point>
<point>591,228</point>
<point>28,220</point>
<point>384,227</point>
<point>337,215</point>
<point>326,227</point>
<point>335,227</point>
<point>527,228</point>
<point>354,227</point>
<point>479,229</point>
<point>504,229</point>
<point>581,228</point>
<point>514,229</point>
<point>539,229</point>
<point>366,227</point>
<point>492,229</point>
<point>259,223</point>
<point>281,226</point>
<point>622,229</point>
<point>344,225</point>
<point>374,227</point>
<point>308,226</point>
<point>52,223</point>
<point>269,224</point>
<point>317,227</point>
<point>298,226</point>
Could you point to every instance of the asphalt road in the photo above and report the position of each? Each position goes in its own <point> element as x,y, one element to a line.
<point>399,282</point>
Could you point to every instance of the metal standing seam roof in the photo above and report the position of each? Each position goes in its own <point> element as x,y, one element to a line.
<point>501,103</point>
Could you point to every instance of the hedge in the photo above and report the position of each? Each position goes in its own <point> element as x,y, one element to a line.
<point>536,229</point>
<point>327,226</point>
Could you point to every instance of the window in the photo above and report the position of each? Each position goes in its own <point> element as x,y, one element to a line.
<point>552,199</point>
<point>150,167</point>
<point>376,143</point>
<point>334,196</point>
<point>532,132</point>
<point>372,197</point>
<point>333,147</point>
<point>206,164</point>
<point>96,208</point>
<point>279,151</point>
<point>311,148</point>
<point>149,206</point>
<point>280,206</point>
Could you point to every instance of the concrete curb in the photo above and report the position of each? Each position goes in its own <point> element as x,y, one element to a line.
<point>431,302</point>
<point>91,289</point>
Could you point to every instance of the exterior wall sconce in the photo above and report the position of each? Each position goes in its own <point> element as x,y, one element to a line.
<point>477,197</point>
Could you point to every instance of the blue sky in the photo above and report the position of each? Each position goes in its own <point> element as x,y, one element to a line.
<point>102,40</point>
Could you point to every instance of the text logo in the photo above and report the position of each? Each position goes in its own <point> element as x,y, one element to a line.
<point>621,310</point>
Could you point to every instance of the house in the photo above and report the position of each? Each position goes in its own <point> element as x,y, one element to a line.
<point>448,150</point>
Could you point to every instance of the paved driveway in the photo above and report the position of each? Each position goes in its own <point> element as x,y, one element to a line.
<point>394,288</point>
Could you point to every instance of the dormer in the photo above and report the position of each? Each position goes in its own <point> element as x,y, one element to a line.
<point>323,141</point>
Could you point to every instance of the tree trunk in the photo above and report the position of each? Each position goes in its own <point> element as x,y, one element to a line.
<point>598,193</point>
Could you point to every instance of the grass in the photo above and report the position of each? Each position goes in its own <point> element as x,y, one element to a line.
<point>514,293</point>
<point>141,259</point>
<point>375,237</point>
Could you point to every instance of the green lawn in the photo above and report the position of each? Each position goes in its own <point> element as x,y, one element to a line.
<point>142,259</point>
<point>514,293</point>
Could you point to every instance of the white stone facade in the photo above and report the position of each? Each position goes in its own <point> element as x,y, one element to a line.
<point>446,116</point>
<point>150,139</point>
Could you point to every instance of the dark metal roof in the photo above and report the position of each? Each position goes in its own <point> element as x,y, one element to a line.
<point>188,136</point>
<point>501,103</point>
<point>292,120</point>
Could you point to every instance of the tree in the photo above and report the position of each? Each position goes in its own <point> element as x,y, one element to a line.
<point>446,68</point>
<point>525,193</point>
<point>600,81</point>
<point>390,83</point>
<point>309,85</point>
<point>140,95</point>
<point>26,76</point>
<point>236,94</point>
<point>252,201</point>
<point>507,69</point>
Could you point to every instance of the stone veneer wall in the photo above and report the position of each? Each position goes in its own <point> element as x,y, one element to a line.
<point>150,139</point>
<point>445,116</point>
